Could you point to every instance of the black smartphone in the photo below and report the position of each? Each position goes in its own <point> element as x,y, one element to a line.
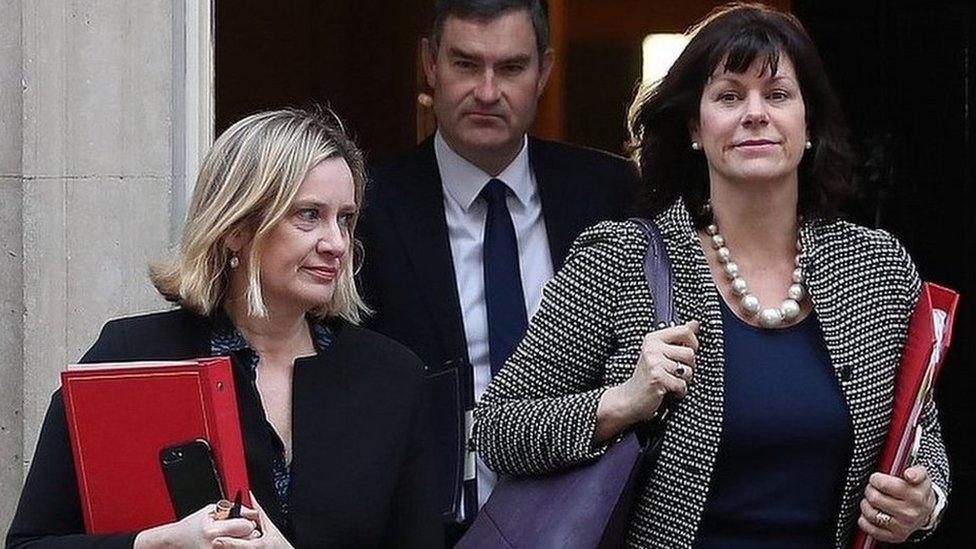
<point>191,476</point>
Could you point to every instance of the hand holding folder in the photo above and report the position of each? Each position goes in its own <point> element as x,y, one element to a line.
<point>119,417</point>
<point>929,335</point>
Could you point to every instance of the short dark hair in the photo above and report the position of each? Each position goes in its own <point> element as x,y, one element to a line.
<point>738,34</point>
<point>490,9</point>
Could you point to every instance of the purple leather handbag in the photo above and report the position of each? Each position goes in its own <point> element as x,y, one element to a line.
<point>589,505</point>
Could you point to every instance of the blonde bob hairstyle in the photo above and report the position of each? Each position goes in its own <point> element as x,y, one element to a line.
<point>247,183</point>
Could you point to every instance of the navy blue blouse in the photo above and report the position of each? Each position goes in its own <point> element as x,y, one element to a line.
<point>227,340</point>
<point>786,443</point>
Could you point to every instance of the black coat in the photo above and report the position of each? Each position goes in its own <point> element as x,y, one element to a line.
<point>359,469</point>
<point>408,274</point>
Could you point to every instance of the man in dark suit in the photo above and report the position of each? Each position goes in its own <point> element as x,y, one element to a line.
<point>462,232</point>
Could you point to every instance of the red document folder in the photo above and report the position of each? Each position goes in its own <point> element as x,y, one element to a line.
<point>120,416</point>
<point>929,334</point>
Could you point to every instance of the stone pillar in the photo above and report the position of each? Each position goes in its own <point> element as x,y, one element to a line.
<point>86,178</point>
<point>11,262</point>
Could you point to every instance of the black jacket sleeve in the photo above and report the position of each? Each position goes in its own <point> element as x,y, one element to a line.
<point>49,512</point>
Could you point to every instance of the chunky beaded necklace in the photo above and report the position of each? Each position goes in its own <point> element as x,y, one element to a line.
<point>771,317</point>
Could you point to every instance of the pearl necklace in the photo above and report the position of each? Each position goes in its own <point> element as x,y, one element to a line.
<point>787,311</point>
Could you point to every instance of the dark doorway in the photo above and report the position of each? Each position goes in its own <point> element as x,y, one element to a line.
<point>355,57</point>
<point>905,73</point>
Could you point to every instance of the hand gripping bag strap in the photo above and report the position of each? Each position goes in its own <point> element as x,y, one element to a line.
<point>587,506</point>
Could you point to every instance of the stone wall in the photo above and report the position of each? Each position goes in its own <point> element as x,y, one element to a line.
<point>86,180</point>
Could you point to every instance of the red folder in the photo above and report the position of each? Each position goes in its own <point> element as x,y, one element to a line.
<point>121,415</point>
<point>929,334</point>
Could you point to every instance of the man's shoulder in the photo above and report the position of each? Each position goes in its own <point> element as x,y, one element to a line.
<point>588,173</point>
<point>392,168</point>
<point>408,177</point>
<point>592,171</point>
<point>575,154</point>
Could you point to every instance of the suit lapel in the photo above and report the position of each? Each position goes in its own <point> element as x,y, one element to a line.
<point>557,203</point>
<point>420,221</point>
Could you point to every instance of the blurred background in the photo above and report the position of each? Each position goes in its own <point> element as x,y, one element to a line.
<point>106,108</point>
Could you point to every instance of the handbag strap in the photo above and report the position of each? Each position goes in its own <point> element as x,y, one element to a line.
<point>660,283</point>
<point>657,272</point>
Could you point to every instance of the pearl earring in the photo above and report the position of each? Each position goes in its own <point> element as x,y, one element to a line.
<point>696,145</point>
<point>234,261</point>
<point>808,145</point>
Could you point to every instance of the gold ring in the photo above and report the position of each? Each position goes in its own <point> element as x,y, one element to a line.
<point>882,519</point>
<point>222,510</point>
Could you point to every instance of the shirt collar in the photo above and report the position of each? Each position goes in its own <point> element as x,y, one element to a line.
<point>463,181</point>
<point>226,338</point>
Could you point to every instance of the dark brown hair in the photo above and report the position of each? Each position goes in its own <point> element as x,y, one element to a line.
<point>538,11</point>
<point>736,35</point>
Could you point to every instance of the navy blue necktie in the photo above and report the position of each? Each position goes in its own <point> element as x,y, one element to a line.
<point>503,281</point>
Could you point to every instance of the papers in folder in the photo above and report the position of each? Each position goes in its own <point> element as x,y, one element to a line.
<point>929,335</point>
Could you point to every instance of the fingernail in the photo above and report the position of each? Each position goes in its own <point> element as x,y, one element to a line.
<point>218,543</point>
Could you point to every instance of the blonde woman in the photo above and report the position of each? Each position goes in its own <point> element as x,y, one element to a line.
<point>330,412</point>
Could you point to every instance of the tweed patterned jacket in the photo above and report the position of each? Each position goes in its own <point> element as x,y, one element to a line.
<point>539,412</point>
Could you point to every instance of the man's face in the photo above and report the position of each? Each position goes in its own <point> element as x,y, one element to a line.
<point>487,79</point>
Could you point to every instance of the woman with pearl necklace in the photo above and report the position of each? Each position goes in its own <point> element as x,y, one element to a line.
<point>795,319</point>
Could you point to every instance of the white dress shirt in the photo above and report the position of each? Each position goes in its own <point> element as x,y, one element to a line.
<point>462,182</point>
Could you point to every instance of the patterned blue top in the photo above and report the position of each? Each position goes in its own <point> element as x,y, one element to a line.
<point>226,339</point>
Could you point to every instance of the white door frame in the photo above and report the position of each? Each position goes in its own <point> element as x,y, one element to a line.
<point>193,99</point>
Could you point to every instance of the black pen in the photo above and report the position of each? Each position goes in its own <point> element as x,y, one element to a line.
<point>235,510</point>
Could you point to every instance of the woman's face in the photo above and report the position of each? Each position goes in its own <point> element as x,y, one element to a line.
<point>752,126</point>
<point>303,255</point>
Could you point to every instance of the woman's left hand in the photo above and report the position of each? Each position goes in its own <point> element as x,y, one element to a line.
<point>266,537</point>
<point>905,505</point>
